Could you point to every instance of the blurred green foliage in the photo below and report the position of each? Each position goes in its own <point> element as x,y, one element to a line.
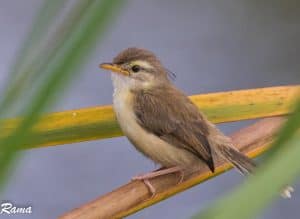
<point>51,56</point>
<point>280,167</point>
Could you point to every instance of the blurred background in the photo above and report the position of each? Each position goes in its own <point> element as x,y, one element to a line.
<point>210,45</point>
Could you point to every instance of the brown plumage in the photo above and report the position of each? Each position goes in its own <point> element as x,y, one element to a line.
<point>162,122</point>
<point>132,54</point>
<point>168,116</point>
<point>182,125</point>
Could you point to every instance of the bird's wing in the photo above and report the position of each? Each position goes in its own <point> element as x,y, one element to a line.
<point>169,114</point>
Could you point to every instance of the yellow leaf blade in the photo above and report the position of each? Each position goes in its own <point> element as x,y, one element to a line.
<point>100,122</point>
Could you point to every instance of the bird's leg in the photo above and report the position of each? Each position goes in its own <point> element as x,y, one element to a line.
<point>160,172</point>
<point>181,175</point>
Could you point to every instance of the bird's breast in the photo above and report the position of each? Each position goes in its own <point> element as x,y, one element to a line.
<point>148,143</point>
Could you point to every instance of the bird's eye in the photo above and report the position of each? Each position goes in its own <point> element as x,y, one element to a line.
<point>136,68</point>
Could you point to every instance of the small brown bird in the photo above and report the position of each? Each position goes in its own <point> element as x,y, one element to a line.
<point>162,122</point>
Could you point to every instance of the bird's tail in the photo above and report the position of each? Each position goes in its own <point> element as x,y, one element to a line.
<point>244,164</point>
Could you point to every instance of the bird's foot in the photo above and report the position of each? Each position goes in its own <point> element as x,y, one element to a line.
<point>160,172</point>
<point>181,175</point>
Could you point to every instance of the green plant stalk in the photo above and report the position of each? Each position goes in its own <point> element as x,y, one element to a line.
<point>45,17</point>
<point>279,169</point>
<point>63,67</point>
<point>100,122</point>
<point>42,51</point>
<point>259,190</point>
<point>288,130</point>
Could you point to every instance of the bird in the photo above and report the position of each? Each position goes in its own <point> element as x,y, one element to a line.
<point>163,123</point>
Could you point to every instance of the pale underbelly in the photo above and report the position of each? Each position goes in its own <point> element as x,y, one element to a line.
<point>150,145</point>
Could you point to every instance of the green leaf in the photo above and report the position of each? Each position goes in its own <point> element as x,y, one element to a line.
<point>39,49</point>
<point>99,122</point>
<point>279,169</point>
<point>59,70</point>
<point>28,55</point>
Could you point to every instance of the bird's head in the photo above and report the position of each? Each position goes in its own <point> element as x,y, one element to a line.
<point>137,67</point>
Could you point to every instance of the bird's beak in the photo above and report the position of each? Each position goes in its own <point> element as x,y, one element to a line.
<point>114,68</point>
